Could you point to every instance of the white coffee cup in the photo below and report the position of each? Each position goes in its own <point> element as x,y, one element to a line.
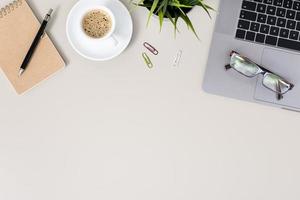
<point>110,34</point>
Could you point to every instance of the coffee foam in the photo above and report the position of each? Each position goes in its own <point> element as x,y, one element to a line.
<point>97,23</point>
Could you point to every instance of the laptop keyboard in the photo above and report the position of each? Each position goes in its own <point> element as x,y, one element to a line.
<point>270,22</point>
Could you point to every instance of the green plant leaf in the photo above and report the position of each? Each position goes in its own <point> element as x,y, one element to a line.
<point>173,10</point>
<point>173,21</point>
<point>161,19</point>
<point>154,6</point>
<point>189,23</point>
<point>205,7</point>
<point>163,6</point>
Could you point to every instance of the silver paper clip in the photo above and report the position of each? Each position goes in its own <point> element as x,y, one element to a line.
<point>178,58</point>
<point>150,48</point>
<point>147,60</point>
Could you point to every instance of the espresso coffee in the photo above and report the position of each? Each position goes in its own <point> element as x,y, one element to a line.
<point>97,23</point>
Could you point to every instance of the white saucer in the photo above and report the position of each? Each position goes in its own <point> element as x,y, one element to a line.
<point>99,50</point>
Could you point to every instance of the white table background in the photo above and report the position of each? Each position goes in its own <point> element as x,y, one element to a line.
<point>117,130</point>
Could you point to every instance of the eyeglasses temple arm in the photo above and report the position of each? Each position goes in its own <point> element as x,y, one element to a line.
<point>278,88</point>
<point>227,67</point>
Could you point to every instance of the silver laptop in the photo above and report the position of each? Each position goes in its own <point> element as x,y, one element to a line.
<point>264,32</point>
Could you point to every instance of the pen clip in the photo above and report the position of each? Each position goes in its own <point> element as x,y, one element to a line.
<point>150,48</point>
<point>147,60</point>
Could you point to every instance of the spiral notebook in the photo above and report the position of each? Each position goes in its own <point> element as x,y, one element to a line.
<point>18,27</point>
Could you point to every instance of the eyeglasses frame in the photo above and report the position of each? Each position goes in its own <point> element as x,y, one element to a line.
<point>264,72</point>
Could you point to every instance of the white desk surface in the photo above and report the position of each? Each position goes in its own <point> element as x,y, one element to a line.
<point>117,130</point>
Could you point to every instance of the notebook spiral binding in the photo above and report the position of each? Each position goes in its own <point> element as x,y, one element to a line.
<point>9,8</point>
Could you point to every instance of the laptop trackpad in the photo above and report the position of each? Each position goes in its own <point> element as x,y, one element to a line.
<point>286,65</point>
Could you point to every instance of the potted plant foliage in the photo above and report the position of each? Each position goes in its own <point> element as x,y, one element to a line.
<point>173,10</point>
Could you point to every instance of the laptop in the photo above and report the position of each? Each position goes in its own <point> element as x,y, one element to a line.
<point>268,33</point>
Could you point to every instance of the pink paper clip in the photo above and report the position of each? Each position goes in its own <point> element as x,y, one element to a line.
<point>150,48</point>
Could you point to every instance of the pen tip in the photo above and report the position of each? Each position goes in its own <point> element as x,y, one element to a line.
<point>21,72</point>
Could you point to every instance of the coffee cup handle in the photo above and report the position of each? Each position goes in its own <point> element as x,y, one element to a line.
<point>114,38</point>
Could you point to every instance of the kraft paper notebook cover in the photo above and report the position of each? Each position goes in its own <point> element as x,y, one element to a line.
<point>18,27</point>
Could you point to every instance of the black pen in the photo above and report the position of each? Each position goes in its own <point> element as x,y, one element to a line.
<point>35,43</point>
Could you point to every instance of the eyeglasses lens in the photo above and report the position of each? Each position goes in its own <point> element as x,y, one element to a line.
<point>243,65</point>
<point>275,83</point>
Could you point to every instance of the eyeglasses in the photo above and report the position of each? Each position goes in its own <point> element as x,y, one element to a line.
<point>250,69</point>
